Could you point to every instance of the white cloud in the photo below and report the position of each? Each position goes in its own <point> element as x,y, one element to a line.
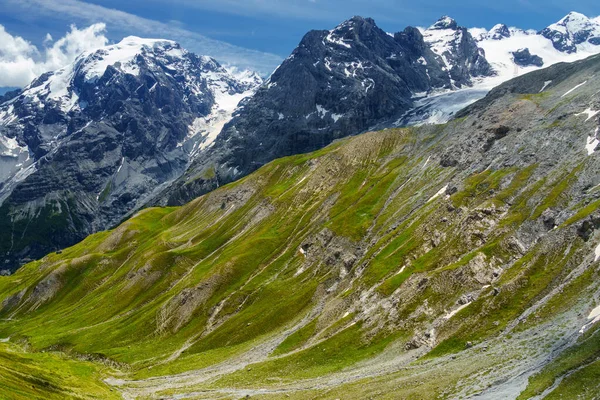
<point>128,24</point>
<point>21,61</point>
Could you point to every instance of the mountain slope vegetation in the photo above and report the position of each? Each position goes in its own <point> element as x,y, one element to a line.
<point>455,260</point>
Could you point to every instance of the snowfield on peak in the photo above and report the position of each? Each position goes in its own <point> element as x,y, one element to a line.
<point>91,65</point>
<point>498,52</point>
<point>499,45</point>
<point>500,42</point>
<point>226,103</point>
<point>122,55</point>
<point>441,41</point>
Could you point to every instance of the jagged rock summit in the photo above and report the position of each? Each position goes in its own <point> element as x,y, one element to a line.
<point>356,77</point>
<point>336,83</point>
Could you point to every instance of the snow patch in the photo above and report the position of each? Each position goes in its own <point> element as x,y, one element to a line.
<point>426,162</point>
<point>121,164</point>
<point>322,113</point>
<point>590,113</point>
<point>573,89</point>
<point>592,318</point>
<point>545,86</point>
<point>331,38</point>
<point>438,194</point>
<point>592,142</point>
<point>455,311</point>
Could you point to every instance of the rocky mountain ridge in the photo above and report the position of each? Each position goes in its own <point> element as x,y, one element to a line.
<point>324,90</point>
<point>84,145</point>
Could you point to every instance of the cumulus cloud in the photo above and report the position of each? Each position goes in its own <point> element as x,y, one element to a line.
<point>125,23</point>
<point>21,61</point>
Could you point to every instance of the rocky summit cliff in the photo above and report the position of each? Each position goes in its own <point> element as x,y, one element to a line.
<point>335,84</point>
<point>454,261</point>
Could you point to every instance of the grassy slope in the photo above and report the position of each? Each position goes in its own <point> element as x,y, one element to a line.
<point>26,375</point>
<point>332,258</point>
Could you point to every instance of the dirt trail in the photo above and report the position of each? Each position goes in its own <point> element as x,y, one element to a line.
<point>147,387</point>
<point>504,373</point>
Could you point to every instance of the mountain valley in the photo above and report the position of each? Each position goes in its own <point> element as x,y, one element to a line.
<point>455,261</point>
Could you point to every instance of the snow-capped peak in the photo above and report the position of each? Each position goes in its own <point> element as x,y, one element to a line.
<point>443,38</point>
<point>444,22</point>
<point>498,32</point>
<point>91,65</point>
<point>513,51</point>
<point>123,54</point>
<point>578,26</point>
<point>573,31</point>
<point>572,22</point>
<point>142,69</point>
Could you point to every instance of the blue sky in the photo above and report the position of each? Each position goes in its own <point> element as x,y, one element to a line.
<point>259,33</point>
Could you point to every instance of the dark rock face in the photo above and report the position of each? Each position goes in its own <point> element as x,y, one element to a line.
<point>90,143</point>
<point>459,54</point>
<point>560,41</point>
<point>524,58</point>
<point>468,60</point>
<point>11,94</point>
<point>336,83</point>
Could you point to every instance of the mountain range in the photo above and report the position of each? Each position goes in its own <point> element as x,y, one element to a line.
<point>144,122</point>
<point>456,260</point>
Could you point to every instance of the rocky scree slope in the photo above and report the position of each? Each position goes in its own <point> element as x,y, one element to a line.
<point>83,146</point>
<point>458,260</point>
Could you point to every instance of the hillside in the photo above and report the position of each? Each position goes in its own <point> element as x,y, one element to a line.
<point>457,260</point>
